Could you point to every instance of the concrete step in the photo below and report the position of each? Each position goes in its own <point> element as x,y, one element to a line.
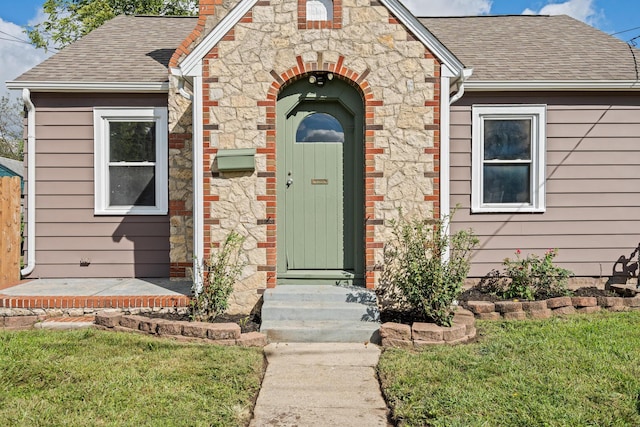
<point>319,310</point>
<point>316,313</point>
<point>301,293</point>
<point>320,331</point>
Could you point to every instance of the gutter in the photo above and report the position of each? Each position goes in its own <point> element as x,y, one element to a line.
<point>90,87</point>
<point>31,183</point>
<point>464,76</point>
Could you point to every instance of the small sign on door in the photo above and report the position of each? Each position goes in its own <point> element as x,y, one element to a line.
<point>319,182</point>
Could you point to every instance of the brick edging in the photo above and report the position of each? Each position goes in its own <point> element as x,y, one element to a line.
<point>92,302</point>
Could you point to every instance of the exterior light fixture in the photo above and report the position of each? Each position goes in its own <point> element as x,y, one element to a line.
<point>320,78</point>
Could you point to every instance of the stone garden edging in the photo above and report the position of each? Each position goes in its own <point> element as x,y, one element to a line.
<point>214,333</point>
<point>420,334</point>
<point>463,328</point>
<point>544,309</point>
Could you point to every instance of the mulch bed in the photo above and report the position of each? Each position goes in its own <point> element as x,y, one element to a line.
<point>475,294</point>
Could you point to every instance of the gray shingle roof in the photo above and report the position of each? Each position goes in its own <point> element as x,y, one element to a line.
<point>528,47</point>
<point>138,49</point>
<point>125,49</point>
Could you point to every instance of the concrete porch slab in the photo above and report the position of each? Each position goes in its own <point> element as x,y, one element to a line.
<point>99,287</point>
<point>96,294</point>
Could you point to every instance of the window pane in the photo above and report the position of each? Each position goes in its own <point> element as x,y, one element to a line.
<point>320,127</point>
<point>132,186</point>
<point>507,139</point>
<point>132,141</point>
<point>319,10</point>
<point>507,184</point>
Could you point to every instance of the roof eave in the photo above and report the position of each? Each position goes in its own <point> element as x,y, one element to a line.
<point>551,85</point>
<point>119,87</point>
<point>452,67</point>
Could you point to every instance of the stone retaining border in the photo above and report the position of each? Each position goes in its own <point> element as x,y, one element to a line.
<point>214,333</point>
<point>418,335</point>
<point>519,310</point>
<point>463,328</point>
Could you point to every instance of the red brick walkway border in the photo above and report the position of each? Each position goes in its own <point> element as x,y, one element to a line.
<point>93,302</point>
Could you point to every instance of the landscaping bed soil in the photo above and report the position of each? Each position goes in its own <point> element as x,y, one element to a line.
<point>476,294</point>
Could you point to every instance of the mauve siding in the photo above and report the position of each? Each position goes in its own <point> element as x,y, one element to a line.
<point>593,183</point>
<point>67,229</point>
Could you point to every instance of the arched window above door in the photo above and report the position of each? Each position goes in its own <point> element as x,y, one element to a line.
<point>320,127</point>
<point>319,10</point>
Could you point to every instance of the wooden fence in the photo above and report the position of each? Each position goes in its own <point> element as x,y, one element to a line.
<point>10,220</point>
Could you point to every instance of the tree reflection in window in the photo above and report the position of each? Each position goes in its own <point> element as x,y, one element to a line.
<point>320,127</point>
<point>507,161</point>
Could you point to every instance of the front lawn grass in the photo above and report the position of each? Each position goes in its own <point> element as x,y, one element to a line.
<point>582,370</point>
<point>98,378</point>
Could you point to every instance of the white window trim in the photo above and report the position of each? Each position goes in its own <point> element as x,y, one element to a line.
<point>101,118</point>
<point>538,115</point>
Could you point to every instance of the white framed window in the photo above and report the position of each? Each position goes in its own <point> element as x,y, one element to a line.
<point>131,161</point>
<point>508,158</point>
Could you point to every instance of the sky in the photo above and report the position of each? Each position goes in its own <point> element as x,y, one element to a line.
<point>610,16</point>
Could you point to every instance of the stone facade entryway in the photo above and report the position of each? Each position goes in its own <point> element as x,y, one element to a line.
<point>320,164</point>
<point>243,65</point>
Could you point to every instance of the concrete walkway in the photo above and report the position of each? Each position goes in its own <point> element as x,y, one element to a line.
<point>320,384</point>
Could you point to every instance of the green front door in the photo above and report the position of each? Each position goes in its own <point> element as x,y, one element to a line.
<point>320,195</point>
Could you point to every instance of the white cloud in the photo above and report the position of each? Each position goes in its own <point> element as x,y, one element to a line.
<point>582,10</point>
<point>16,57</point>
<point>448,7</point>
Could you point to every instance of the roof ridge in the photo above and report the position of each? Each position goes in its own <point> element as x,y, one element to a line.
<point>163,16</point>
<point>489,16</point>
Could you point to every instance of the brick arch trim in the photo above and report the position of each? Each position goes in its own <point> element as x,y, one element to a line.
<point>359,82</point>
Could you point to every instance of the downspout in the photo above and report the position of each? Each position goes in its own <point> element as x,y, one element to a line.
<point>197,168</point>
<point>31,183</point>
<point>466,73</point>
<point>198,186</point>
<point>182,91</point>
<point>445,148</point>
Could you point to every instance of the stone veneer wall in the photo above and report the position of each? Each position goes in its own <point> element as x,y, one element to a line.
<point>270,48</point>
<point>180,182</point>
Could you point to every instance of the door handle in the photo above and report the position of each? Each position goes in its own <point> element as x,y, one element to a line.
<point>289,182</point>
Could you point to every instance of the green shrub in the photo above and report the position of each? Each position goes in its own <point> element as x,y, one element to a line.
<point>417,275</point>
<point>534,277</point>
<point>219,276</point>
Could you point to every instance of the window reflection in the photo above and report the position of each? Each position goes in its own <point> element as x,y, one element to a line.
<point>507,139</point>
<point>320,127</point>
